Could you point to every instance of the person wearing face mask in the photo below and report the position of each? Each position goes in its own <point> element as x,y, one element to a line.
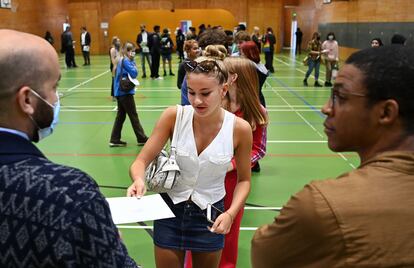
<point>142,42</point>
<point>269,41</point>
<point>330,56</point>
<point>376,42</point>
<point>314,62</point>
<point>126,104</point>
<point>46,208</point>
<point>115,55</point>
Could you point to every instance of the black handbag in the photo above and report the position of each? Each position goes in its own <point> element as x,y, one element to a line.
<point>124,83</point>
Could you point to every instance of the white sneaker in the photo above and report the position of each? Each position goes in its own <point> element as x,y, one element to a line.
<point>159,78</point>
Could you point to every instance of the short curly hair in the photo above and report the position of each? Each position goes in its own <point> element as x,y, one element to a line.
<point>212,37</point>
<point>389,74</point>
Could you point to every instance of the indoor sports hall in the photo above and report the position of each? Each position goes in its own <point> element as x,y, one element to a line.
<point>297,151</point>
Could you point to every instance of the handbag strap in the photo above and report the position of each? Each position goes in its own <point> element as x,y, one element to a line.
<point>177,127</point>
<point>122,68</point>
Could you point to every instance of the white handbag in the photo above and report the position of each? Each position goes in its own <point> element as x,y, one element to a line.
<point>163,172</point>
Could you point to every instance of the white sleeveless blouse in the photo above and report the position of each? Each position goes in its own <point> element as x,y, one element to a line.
<point>202,176</point>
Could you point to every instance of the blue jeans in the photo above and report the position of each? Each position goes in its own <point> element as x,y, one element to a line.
<point>313,64</point>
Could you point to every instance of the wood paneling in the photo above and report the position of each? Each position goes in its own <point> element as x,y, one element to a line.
<point>31,17</point>
<point>126,24</point>
<point>41,15</point>
<point>313,12</point>
<point>263,13</point>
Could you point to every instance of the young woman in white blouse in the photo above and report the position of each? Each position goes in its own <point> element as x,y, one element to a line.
<point>209,137</point>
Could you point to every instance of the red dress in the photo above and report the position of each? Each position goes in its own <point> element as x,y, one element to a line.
<point>231,242</point>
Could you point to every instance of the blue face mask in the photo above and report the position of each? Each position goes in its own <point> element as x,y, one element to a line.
<point>44,132</point>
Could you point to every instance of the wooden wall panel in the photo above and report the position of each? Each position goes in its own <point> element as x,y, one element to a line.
<point>126,24</point>
<point>30,16</point>
<point>87,14</point>
<point>312,12</point>
<point>265,12</point>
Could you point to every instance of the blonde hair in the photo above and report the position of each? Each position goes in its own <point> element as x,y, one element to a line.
<point>219,72</point>
<point>247,90</point>
<point>128,46</point>
<point>218,52</point>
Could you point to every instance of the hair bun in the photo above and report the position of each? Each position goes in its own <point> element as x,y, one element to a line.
<point>218,52</point>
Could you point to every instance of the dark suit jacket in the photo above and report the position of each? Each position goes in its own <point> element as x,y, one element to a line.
<point>87,39</point>
<point>52,214</point>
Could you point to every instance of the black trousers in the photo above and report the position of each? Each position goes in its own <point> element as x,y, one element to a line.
<point>155,65</point>
<point>70,57</point>
<point>269,61</point>
<point>86,59</point>
<point>126,105</point>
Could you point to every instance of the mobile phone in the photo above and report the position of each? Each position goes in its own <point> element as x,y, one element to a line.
<point>212,213</point>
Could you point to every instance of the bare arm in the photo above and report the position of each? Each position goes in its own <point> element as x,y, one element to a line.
<point>159,137</point>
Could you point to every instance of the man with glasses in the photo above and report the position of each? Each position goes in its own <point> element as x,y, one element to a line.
<point>50,215</point>
<point>362,218</point>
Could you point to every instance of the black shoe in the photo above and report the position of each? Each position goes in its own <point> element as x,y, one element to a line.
<point>165,73</point>
<point>144,76</point>
<point>75,66</point>
<point>328,84</point>
<point>85,64</point>
<point>117,144</point>
<point>317,84</point>
<point>171,73</point>
<point>142,142</point>
<point>305,82</point>
<point>256,167</point>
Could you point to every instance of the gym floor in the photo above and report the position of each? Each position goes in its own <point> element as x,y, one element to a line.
<point>297,152</point>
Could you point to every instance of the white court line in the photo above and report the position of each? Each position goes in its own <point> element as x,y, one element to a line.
<point>279,76</point>
<point>340,154</point>
<point>318,141</point>
<point>279,89</point>
<point>300,70</point>
<point>146,89</point>
<point>297,112</point>
<point>150,227</point>
<point>263,208</point>
<point>64,78</point>
<point>282,61</point>
<point>63,109</point>
<point>87,81</point>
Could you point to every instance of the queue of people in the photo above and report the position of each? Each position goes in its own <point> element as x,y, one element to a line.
<point>360,219</point>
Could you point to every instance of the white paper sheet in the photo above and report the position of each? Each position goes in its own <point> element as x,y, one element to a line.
<point>132,209</point>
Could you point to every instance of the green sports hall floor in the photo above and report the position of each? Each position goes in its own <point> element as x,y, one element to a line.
<point>296,148</point>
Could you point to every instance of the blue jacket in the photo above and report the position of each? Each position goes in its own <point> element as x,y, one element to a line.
<point>184,93</point>
<point>52,215</point>
<point>128,67</point>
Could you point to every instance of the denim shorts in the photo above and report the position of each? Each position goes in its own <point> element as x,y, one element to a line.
<point>166,56</point>
<point>188,230</point>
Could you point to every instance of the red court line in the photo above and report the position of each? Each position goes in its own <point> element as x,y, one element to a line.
<point>88,155</point>
<point>267,155</point>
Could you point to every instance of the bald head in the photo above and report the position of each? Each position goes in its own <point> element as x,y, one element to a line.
<point>25,60</point>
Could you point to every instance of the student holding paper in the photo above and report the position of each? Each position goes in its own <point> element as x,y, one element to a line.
<point>209,137</point>
<point>85,39</point>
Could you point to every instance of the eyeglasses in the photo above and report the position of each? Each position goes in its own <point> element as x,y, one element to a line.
<point>335,94</point>
<point>204,66</point>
